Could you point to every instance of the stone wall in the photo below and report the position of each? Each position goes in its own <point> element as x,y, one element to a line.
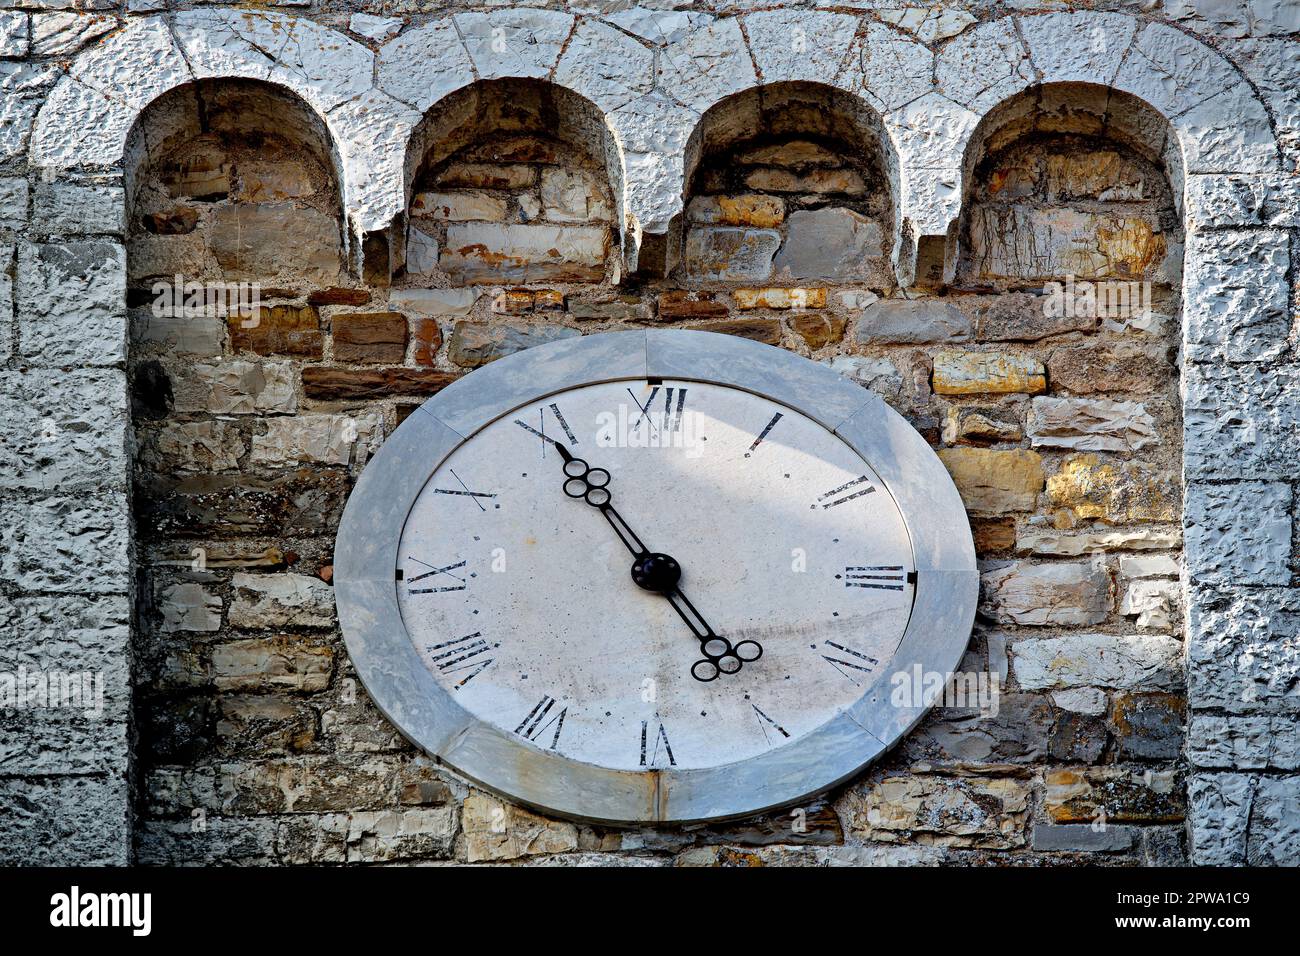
<point>889,191</point>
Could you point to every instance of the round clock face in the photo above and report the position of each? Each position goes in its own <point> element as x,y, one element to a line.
<point>655,574</point>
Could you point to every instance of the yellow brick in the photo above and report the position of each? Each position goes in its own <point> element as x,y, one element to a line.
<point>985,373</point>
<point>777,298</point>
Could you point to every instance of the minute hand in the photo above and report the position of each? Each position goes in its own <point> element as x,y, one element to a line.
<point>657,572</point>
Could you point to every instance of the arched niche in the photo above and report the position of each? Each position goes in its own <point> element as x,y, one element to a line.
<point>789,184</point>
<point>232,181</point>
<point>1070,181</point>
<point>512,181</point>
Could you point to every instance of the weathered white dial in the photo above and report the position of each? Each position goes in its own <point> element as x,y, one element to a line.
<point>521,600</point>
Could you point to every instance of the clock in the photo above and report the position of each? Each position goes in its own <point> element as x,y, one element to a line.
<point>654,576</point>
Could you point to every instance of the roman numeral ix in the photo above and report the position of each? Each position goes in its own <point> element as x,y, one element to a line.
<point>437,588</point>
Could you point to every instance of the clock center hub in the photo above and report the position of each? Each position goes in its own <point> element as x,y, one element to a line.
<point>657,572</point>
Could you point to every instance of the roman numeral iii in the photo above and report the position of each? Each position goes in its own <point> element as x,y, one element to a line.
<point>881,577</point>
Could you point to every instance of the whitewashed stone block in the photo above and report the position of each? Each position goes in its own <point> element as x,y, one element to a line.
<point>79,126</point>
<point>68,544</point>
<point>372,133</point>
<point>322,65</point>
<point>379,29</point>
<point>514,42</point>
<point>72,209</point>
<point>71,302</point>
<point>653,130</point>
<point>424,64</point>
<point>1219,810</point>
<point>886,69</point>
<point>984,66</point>
<point>1236,302</point>
<point>799,45</point>
<point>1172,70</point>
<point>22,92</point>
<point>1244,649</point>
<point>136,65</point>
<point>606,66</point>
<point>1218,200</point>
<point>707,65</point>
<point>15,33</point>
<point>1078,47</point>
<point>68,430</point>
<point>1137,662</point>
<point>928,25</point>
<point>1247,742</point>
<point>1240,421</point>
<point>1230,131</point>
<point>1238,533</point>
<point>931,132</point>
<point>1274,834</point>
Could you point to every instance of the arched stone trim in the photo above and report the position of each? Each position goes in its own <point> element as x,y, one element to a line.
<point>724,57</point>
<point>1221,126</point>
<point>85,122</point>
<point>585,56</point>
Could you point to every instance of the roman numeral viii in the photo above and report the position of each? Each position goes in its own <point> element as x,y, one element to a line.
<point>461,654</point>
<point>546,713</point>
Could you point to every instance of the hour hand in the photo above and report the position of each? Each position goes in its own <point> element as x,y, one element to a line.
<point>659,573</point>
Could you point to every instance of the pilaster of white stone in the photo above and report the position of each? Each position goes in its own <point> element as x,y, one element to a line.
<point>65,531</point>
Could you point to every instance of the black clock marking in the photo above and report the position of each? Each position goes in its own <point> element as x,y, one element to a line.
<point>451,656</point>
<point>866,666</point>
<point>763,434</point>
<point>428,574</point>
<point>540,719</point>
<point>765,721</point>
<point>645,409</point>
<point>555,409</point>
<point>540,431</point>
<point>673,417</point>
<point>838,496</point>
<point>660,737</point>
<point>464,490</point>
<point>881,577</point>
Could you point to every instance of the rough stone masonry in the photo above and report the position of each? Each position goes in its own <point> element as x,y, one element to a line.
<point>897,191</point>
